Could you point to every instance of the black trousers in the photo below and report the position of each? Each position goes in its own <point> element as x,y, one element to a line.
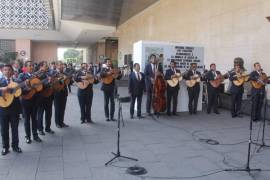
<point>59,108</point>
<point>45,105</point>
<point>257,104</point>
<point>30,116</point>
<point>236,103</point>
<point>85,102</point>
<point>212,98</point>
<point>109,98</point>
<point>172,98</point>
<point>193,94</point>
<point>11,119</point>
<point>149,101</point>
<point>135,97</point>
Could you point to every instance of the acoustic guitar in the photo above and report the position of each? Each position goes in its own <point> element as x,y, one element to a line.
<point>86,80</point>
<point>63,81</point>
<point>262,81</point>
<point>112,75</point>
<point>241,79</point>
<point>175,80</point>
<point>217,82</point>
<point>14,90</point>
<point>34,85</point>
<point>194,79</point>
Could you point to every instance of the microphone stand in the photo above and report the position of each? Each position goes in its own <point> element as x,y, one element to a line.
<point>119,119</point>
<point>262,144</point>
<point>247,168</point>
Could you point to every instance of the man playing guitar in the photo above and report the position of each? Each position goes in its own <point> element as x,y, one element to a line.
<point>257,92</point>
<point>212,91</point>
<point>193,91</point>
<point>85,80</point>
<point>44,101</point>
<point>109,88</point>
<point>29,106</point>
<point>172,91</point>
<point>9,115</point>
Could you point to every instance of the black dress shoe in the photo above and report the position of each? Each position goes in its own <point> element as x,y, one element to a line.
<point>217,112</point>
<point>28,140</point>
<point>168,114</point>
<point>112,119</point>
<point>131,117</point>
<point>49,131</point>
<point>82,122</point>
<point>149,114</point>
<point>65,125</point>
<point>239,115</point>
<point>4,151</point>
<point>17,149</point>
<point>175,114</point>
<point>37,139</point>
<point>108,119</point>
<point>41,133</point>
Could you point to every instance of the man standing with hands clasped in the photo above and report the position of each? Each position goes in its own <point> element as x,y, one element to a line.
<point>136,87</point>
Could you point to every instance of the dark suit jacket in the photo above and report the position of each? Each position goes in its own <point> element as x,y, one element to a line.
<point>168,74</point>
<point>108,87</point>
<point>148,72</point>
<point>235,89</point>
<point>254,76</point>
<point>15,106</point>
<point>136,87</point>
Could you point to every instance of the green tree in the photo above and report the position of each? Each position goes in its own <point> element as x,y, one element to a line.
<point>72,54</point>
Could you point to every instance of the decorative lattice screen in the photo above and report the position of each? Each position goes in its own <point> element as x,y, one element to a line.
<point>23,14</point>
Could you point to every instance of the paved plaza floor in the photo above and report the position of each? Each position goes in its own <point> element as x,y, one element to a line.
<point>168,147</point>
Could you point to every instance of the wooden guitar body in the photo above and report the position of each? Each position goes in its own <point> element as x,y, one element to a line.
<point>174,81</point>
<point>17,90</point>
<point>6,99</point>
<point>36,84</point>
<point>191,83</point>
<point>109,79</point>
<point>85,82</point>
<point>263,80</point>
<point>47,92</point>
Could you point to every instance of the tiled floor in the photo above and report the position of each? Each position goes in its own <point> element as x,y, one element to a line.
<point>166,147</point>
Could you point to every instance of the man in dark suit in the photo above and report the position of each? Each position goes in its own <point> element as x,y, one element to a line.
<point>172,92</point>
<point>258,94</point>
<point>29,106</point>
<point>44,103</point>
<point>193,92</point>
<point>9,115</point>
<point>150,72</point>
<point>136,87</point>
<point>212,92</point>
<point>85,96</point>
<point>236,92</point>
<point>109,90</point>
<point>60,100</point>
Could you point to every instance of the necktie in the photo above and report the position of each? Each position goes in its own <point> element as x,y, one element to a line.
<point>138,76</point>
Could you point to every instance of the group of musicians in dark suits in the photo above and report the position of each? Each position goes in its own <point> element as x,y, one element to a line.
<point>33,109</point>
<point>143,82</point>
